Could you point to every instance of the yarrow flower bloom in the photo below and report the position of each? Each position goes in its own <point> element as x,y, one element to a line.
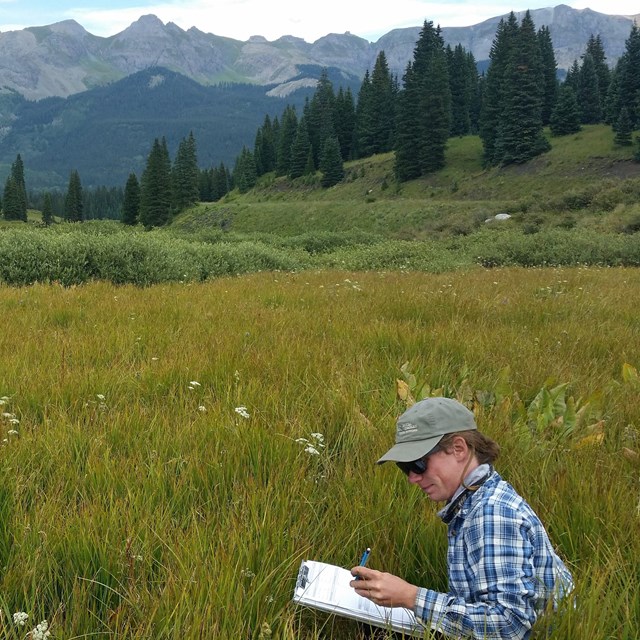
<point>242,411</point>
<point>20,618</point>
<point>41,632</point>
<point>202,408</point>
<point>313,448</point>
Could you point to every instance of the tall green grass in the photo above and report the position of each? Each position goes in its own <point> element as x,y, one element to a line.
<point>136,502</point>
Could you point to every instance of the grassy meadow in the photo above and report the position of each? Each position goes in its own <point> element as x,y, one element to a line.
<point>171,453</point>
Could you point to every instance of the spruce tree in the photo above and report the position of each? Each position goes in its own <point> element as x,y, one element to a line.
<point>267,147</point>
<point>572,78</point>
<point>595,49</point>
<point>461,89</point>
<point>623,129</point>
<point>495,86</point>
<point>47,209</point>
<point>331,163</point>
<point>244,172</point>
<point>184,175</point>
<point>319,113</point>
<point>424,108</point>
<point>131,201</point>
<point>520,135</point>
<point>565,117</point>
<point>17,171</point>
<point>345,116</point>
<point>629,77</point>
<point>588,95</point>
<point>300,150</point>
<point>73,200</point>
<point>11,201</point>
<point>286,136</point>
<point>549,73</point>
<point>155,187</point>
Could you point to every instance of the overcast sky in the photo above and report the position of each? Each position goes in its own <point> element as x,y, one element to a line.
<point>306,19</point>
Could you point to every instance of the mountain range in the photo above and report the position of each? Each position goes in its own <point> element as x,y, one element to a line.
<point>59,84</point>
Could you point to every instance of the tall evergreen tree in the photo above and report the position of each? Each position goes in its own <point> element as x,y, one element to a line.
<point>73,200</point>
<point>331,163</point>
<point>549,73</point>
<point>47,209</point>
<point>595,49</point>
<point>572,78</point>
<point>300,150</point>
<point>461,90</point>
<point>376,110</point>
<point>424,108</point>
<point>496,86</point>
<point>319,113</point>
<point>184,174</point>
<point>565,117</point>
<point>267,149</point>
<point>628,71</point>
<point>286,136</point>
<point>155,187</point>
<point>345,116</point>
<point>17,171</point>
<point>244,172</point>
<point>131,202</point>
<point>11,201</point>
<point>588,96</point>
<point>520,135</point>
<point>623,129</point>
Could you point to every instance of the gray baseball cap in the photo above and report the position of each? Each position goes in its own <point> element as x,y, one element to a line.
<point>421,427</point>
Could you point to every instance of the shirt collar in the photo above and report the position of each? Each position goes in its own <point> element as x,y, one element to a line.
<point>471,483</point>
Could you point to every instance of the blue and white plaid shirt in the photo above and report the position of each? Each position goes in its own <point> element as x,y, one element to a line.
<point>503,571</point>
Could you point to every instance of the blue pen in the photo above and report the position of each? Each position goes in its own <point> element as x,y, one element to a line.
<point>363,560</point>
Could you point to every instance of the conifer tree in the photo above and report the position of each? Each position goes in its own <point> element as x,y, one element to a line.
<point>331,164</point>
<point>424,108</point>
<point>155,187</point>
<point>496,86</point>
<point>184,174</point>
<point>244,173</point>
<point>73,200</point>
<point>573,74</point>
<point>47,209</point>
<point>319,113</point>
<point>565,117</point>
<point>623,129</point>
<point>460,91</point>
<point>345,121</point>
<point>287,134</point>
<point>131,201</point>
<point>520,135</point>
<point>17,171</point>
<point>376,110</point>
<point>595,49</point>
<point>588,96</point>
<point>549,73</point>
<point>11,201</point>
<point>267,150</point>
<point>636,155</point>
<point>300,150</point>
<point>628,70</point>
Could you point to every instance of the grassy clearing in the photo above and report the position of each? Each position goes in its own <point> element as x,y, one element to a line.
<point>137,502</point>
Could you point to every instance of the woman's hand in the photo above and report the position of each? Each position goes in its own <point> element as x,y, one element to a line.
<point>384,589</point>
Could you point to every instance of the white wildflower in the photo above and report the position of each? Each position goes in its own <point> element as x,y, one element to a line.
<point>8,415</point>
<point>312,450</point>
<point>20,618</point>
<point>302,440</point>
<point>41,632</point>
<point>318,437</point>
<point>14,421</point>
<point>202,408</point>
<point>100,396</point>
<point>242,411</point>
<point>194,383</point>
<point>12,432</point>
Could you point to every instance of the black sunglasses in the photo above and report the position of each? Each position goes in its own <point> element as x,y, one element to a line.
<point>418,466</point>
